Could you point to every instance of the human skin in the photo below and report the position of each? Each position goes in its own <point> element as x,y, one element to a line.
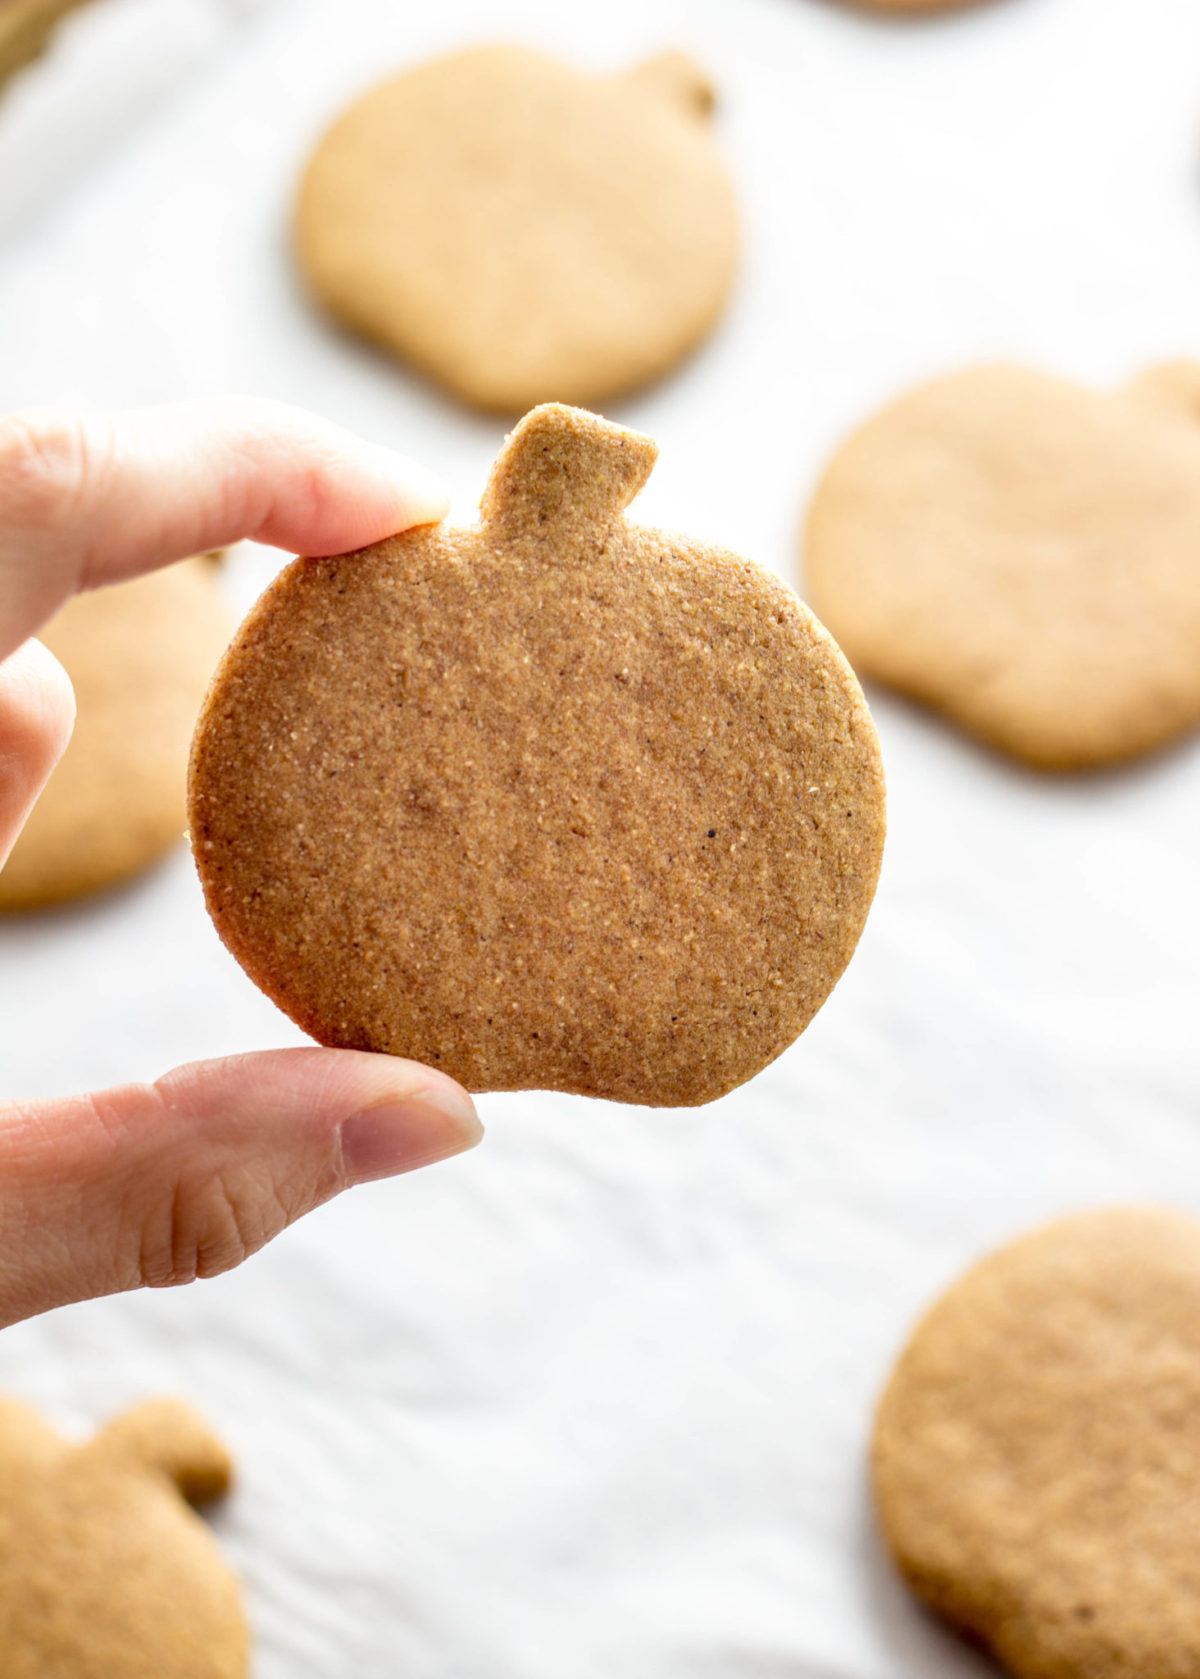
<point>152,1185</point>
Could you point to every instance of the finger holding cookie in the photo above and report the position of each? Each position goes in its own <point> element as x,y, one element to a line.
<point>91,500</point>
<point>157,1184</point>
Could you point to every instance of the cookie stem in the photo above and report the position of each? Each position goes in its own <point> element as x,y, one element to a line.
<point>678,79</point>
<point>565,468</point>
<point>168,1436</point>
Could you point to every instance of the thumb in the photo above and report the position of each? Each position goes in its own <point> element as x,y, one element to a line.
<point>152,1185</point>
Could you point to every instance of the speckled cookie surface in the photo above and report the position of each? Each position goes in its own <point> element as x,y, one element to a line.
<point>105,1571</point>
<point>140,656</point>
<point>522,232</point>
<point>1023,554</point>
<point>551,802</point>
<point>1037,1451</point>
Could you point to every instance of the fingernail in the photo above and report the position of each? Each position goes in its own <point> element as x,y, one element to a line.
<point>424,497</point>
<point>398,1136</point>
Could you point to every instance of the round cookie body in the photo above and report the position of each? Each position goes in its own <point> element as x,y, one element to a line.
<point>1021,554</point>
<point>140,656</point>
<point>104,1569</point>
<point>521,232</point>
<point>1037,1450</point>
<point>555,802</point>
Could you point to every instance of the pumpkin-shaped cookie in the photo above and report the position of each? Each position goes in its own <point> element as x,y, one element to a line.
<point>1037,1450</point>
<point>105,1572</point>
<point>521,231</point>
<point>1024,554</point>
<point>140,656</point>
<point>553,801</point>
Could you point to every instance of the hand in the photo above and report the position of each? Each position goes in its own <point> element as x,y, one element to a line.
<point>160,1184</point>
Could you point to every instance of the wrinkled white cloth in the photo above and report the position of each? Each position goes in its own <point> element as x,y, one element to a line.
<point>594,1400</point>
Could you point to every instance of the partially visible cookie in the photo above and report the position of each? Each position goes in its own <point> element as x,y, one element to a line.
<point>521,231</point>
<point>1022,553</point>
<point>912,7</point>
<point>105,1573</point>
<point>1037,1451</point>
<point>554,801</point>
<point>26,27</point>
<point>140,656</point>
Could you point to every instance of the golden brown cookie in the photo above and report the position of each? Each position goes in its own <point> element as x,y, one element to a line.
<point>1037,1451</point>
<point>26,27</point>
<point>140,656</point>
<point>1024,554</point>
<point>105,1573</point>
<point>523,232</point>
<point>555,801</point>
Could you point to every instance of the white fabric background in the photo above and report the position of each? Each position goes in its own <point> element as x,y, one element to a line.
<point>593,1400</point>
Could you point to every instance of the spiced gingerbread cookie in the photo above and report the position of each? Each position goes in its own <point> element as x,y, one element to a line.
<point>521,231</point>
<point>1021,553</point>
<point>552,801</point>
<point>1037,1451</point>
<point>104,1568</point>
<point>140,656</point>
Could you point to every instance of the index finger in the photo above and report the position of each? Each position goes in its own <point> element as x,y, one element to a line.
<point>93,499</point>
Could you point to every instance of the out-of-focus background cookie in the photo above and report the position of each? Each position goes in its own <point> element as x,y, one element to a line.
<point>26,28</point>
<point>597,1396</point>
<point>520,231</point>
<point>140,657</point>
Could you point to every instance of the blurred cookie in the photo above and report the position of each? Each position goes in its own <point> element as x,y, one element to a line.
<point>554,801</point>
<point>912,7</point>
<point>1037,1451</point>
<point>1021,553</point>
<point>523,232</point>
<point>104,1570</point>
<point>25,30</point>
<point>140,656</point>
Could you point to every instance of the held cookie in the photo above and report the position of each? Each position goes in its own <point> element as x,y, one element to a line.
<point>140,656</point>
<point>1037,1451</point>
<point>551,802</point>
<point>1024,555</point>
<point>522,232</point>
<point>104,1569</point>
